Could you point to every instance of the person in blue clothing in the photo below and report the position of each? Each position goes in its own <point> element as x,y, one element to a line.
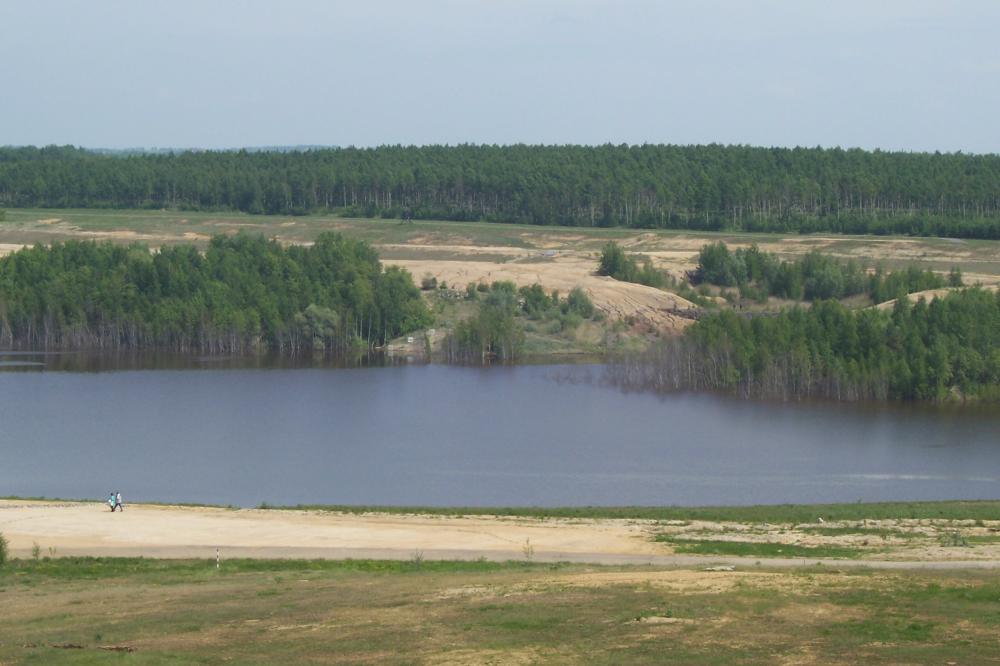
<point>111,501</point>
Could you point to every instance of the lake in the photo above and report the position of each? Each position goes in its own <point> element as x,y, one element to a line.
<point>440,435</point>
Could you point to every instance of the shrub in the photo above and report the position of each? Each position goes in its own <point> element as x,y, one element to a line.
<point>954,275</point>
<point>428,282</point>
<point>504,286</point>
<point>578,302</point>
<point>570,321</point>
<point>536,301</point>
<point>615,263</point>
<point>3,550</point>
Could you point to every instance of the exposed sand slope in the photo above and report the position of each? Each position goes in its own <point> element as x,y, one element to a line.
<point>617,299</point>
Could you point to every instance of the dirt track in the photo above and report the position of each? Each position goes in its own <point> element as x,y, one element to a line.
<point>84,528</point>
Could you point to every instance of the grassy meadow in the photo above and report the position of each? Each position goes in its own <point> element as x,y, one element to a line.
<point>84,611</point>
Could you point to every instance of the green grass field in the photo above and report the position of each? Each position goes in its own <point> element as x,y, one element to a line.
<point>75,611</point>
<point>755,548</point>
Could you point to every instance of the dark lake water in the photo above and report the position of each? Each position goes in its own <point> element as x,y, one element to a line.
<point>528,435</point>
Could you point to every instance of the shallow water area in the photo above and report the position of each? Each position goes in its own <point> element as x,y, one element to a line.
<point>245,431</point>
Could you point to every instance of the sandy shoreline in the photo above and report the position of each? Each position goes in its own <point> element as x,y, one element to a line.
<point>89,529</point>
<point>84,528</point>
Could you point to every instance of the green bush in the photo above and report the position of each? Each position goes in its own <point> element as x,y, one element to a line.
<point>536,301</point>
<point>505,286</point>
<point>3,550</point>
<point>570,321</point>
<point>615,263</point>
<point>579,303</point>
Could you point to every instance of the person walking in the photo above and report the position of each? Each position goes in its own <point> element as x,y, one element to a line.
<point>118,502</point>
<point>111,501</point>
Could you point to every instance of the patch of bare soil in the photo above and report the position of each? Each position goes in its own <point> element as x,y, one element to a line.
<point>679,580</point>
<point>464,657</point>
<point>116,235</point>
<point>661,619</point>
<point>469,251</point>
<point>676,581</point>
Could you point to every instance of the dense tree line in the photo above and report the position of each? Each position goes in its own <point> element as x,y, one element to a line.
<point>709,187</point>
<point>816,276</point>
<point>243,293</point>
<point>947,348</point>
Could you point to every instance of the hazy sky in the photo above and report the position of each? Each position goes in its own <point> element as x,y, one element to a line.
<point>895,74</point>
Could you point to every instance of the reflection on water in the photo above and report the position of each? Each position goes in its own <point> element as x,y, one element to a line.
<point>160,360</point>
<point>245,431</point>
